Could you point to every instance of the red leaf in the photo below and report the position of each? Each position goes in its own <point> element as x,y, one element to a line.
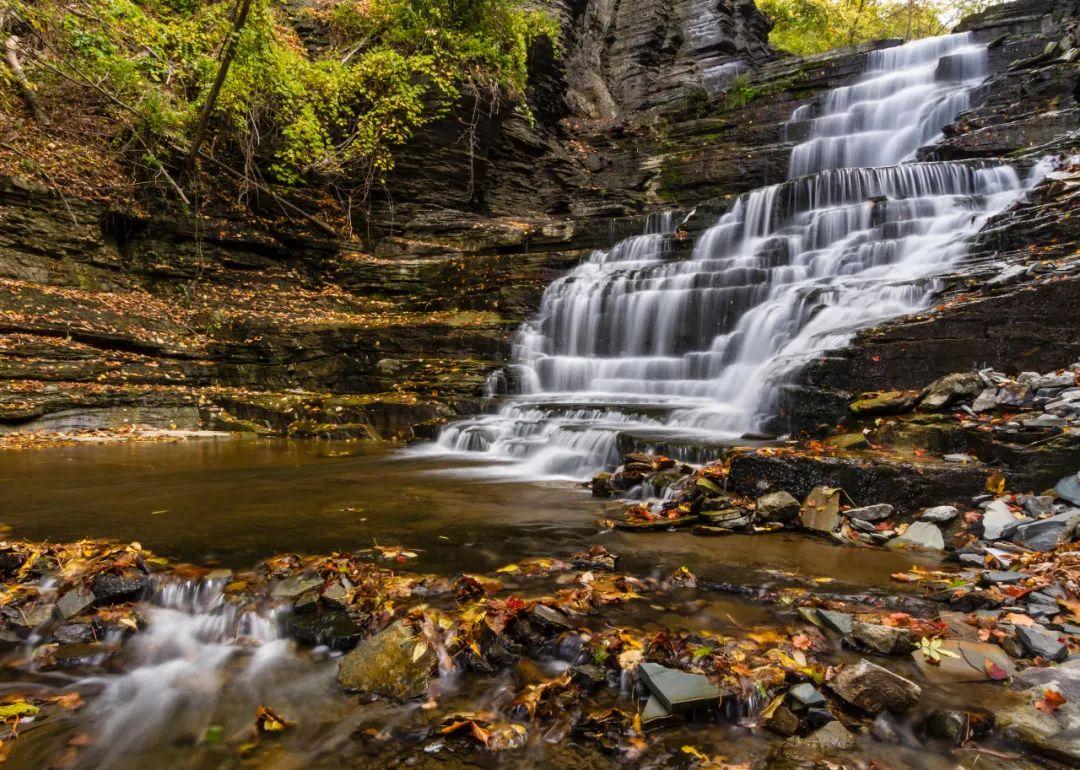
<point>994,671</point>
<point>1050,702</point>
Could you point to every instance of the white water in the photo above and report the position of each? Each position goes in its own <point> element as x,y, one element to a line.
<point>673,352</point>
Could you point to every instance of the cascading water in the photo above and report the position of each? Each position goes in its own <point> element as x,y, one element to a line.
<point>637,345</point>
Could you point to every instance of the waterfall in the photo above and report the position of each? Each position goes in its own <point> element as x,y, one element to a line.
<point>638,347</point>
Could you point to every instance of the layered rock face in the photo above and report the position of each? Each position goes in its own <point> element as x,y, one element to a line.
<point>109,317</point>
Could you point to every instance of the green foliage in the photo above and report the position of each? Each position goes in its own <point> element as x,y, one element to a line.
<point>806,27</point>
<point>394,65</point>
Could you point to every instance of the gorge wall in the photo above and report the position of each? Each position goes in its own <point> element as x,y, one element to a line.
<point>109,317</point>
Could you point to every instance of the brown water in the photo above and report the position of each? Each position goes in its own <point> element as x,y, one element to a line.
<point>236,501</point>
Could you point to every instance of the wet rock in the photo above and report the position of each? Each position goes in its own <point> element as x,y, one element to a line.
<point>551,618</point>
<point>959,458</point>
<point>307,602</point>
<point>958,726</point>
<point>654,715</point>
<point>1009,394</point>
<point>777,506</point>
<point>588,676</point>
<point>1069,488</point>
<point>1055,735</point>
<point>731,519</point>
<point>110,587</point>
<point>332,628</point>
<point>1046,534</point>
<point>837,621</point>
<point>848,441</point>
<point>950,389</point>
<point>335,595</point>
<point>888,402</point>
<point>74,602</point>
<point>805,696</point>
<point>74,633</point>
<point>833,741</point>
<point>872,688</point>
<point>884,729</point>
<point>783,720</point>
<point>601,485</point>
<point>884,640</point>
<point>821,510</point>
<point>1039,642</point>
<point>394,663</point>
<point>863,526</point>
<point>940,513</point>
<point>971,662</point>
<point>871,512</point>
<point>920,536</point>
<point>676,690</point>
<point>294,587</point>
<point>596,557</point>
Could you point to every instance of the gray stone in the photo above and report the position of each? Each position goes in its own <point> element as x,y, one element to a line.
<point>921,536</point>
<point>1068,488</point>
<point>1046,534</point>
<point>871,512</point>
<point>940,513</point>
<point>1055,735</point>
<point>777,506</point>
<point>1044,421</point>
<point>837,621</point>
<point>998,520</point>
<point>655,715</point>
<point>551,617</point>
<point>872,688</point>
<point>959,458</point>
<point>394,663</point>
<point>335,595</point>
<point>74,633</point>
<point>1037,505</point>
<point>1039,642</point>
<point>331,628</point>
<point>783,720</point>
<point>74,602</point>
<point>950,389</point>
<point>993,577</point>
<point>863,526</point>
<point>679,691</point>
<point>806,696</point>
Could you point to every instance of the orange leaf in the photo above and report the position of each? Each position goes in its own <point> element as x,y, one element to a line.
<point>1050,702</point>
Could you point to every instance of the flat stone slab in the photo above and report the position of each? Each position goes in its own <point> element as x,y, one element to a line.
<point>677,690</point>
<point>655,715</point>
<point>970,665</point>
<point>920,536</point>
<point>940,513</point>
<point>870,687</point>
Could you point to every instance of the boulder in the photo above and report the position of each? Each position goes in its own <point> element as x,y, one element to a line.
<point>394,663</point>
<point>332,628</point>
<point>871,512</point>
<point>821,509</point>
<point>110,587</point>
<point>777,506</point>
<point>950,389</point>
<point>1055,735</point>
<point>1069,488</point>
<point>294,587</point>
<point>886,402</point>
<point>920,536</point>
<point>871,688</point>
<point>884,640</point>
<point>940,513</point>
<point>1046,534</point>
<point>837,621</point>
<point>1039,642</point>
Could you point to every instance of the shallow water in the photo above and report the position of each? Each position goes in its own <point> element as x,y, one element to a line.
<point>234,501</point>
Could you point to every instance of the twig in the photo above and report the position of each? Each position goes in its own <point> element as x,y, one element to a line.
<point>11,47</point>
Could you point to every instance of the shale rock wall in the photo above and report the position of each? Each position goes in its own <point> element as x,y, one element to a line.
<point>109,317</point>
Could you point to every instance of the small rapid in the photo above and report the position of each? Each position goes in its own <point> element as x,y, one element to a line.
<point>642,347</point>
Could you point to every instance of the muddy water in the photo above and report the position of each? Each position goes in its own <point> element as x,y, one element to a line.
<point>235,501</point>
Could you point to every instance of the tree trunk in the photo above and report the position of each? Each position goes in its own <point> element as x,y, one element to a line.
<point>229,51</point>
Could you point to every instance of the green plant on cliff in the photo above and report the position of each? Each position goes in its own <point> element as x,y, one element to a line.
<point>290,109</point>
<point>811,26</point>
